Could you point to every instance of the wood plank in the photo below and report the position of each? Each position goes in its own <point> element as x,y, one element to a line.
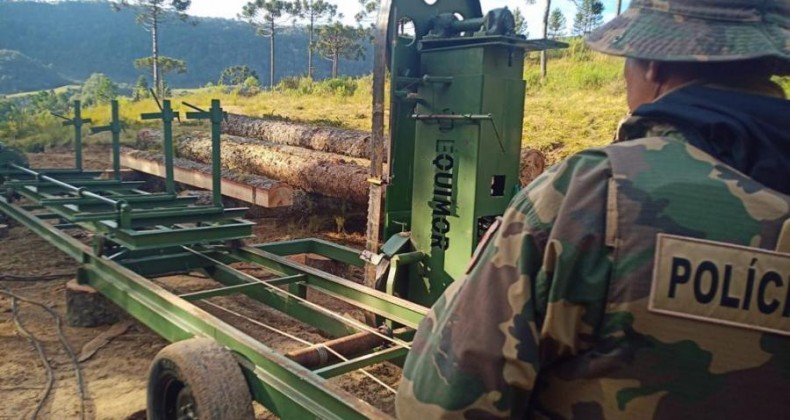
<point>268,195</point>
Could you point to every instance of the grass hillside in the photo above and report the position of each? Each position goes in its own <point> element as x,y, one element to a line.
<point>20,73</point>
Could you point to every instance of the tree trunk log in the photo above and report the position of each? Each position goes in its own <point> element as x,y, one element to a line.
<point>320,138</point>
<point>327,174</point>
<point>352,143</point>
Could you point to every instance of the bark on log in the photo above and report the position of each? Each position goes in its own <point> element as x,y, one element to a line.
<point>315,137</point>
<point>327,174</point>
<point>350,143</point>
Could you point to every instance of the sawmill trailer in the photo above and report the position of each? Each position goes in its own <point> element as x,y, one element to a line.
<point>456,104</point>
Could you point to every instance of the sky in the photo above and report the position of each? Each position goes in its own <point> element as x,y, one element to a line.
<point>534,13</point>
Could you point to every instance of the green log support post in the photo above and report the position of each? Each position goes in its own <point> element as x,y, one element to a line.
<point>216,115</point>
<point>167,115</point>
<point>77,122</point>
<point>114,128</point>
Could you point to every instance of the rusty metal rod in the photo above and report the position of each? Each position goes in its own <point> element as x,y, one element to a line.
<point>317,356</point>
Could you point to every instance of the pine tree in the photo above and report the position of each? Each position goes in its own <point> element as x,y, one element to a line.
<point>316,13</point>
<point>589,15</point>
<point>557,24</point>
<point>166,65</point>
<point>265,16</point>
<point>151,14</point>
<point>98,89</point>
<point>141,88</point>
<point>338,41</point>
<point>521,22</point>
<point>236,75</point>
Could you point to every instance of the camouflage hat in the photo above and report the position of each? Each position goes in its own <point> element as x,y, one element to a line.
<point>699,30</point>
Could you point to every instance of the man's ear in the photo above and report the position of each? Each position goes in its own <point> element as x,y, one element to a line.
<point>654,72</point>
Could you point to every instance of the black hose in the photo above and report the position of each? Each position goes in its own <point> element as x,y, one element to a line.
<point>40,349</point>
<point>63,341</point>
<point>22,279</point>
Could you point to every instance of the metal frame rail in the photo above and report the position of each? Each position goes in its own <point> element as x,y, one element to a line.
<point>139,237</point>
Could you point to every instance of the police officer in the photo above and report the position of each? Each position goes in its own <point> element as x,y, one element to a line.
<point>649,278</point>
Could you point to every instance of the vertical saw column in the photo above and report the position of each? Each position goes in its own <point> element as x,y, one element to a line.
<point>467,149</point>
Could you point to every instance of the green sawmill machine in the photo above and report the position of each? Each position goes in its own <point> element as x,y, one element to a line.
<point>456,105</point>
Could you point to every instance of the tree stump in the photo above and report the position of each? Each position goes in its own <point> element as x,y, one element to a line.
<point>3,231</point>
<point>87,308</point>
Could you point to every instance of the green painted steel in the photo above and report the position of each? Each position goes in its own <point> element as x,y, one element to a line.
<point>361,362</point>
<point>115,128</point>
<point>320,247</point>
<point>166,115</point>
<point>389,307</point>
<point>216,115</point>
<point>456,139</point>
<point>473,167</point>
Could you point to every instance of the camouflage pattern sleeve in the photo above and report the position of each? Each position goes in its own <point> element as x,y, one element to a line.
<point>480,351</point>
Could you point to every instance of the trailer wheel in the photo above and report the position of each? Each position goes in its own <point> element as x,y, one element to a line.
<point>197,379</point>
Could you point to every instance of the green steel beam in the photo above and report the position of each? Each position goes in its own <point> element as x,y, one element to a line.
<point>86,183</point>
<point>54,173</point>
<point>320,247</point>
<point>153,239</point>
<point>144,218</point>
<point>361,362</point>
<point>131,199</point>
<point>239,288</point>
<point>279,299</point>
<point>390,307</point>
<point>166,264</point>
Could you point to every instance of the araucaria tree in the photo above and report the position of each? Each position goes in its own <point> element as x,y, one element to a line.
<point>166,65</point>
<point>237,75</point>
<point>557,24</point>
<point>338,41</point>
<point>521,22</point>
<point>315,13</point>
<point>151,14</point>
<point>589,15</point>
<point>265,16</point>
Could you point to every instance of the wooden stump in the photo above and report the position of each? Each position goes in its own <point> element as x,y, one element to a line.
<point>87,308</point>
<point>3,231</point>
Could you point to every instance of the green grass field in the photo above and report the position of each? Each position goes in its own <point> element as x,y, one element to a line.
<point>578,105</point>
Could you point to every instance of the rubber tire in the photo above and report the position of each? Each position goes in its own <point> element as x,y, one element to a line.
<point>204,370</point>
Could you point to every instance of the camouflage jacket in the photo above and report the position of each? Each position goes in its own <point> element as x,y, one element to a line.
<point>553,321</point>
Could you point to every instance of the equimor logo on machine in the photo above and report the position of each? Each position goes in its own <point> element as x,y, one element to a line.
<point>443,188</point>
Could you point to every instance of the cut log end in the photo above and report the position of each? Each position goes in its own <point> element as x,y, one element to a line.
<point>533,164</point>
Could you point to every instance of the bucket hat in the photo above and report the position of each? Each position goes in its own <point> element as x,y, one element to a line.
<point>699,31</point>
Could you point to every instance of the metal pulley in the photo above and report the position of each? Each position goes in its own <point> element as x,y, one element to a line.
<point>422,15</point>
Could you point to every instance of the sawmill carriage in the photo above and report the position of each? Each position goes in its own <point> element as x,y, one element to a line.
<point>455,122</point>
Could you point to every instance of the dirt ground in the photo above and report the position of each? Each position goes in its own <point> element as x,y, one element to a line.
<point>116,375</point>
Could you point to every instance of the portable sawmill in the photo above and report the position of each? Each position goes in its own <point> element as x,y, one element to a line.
<point>456,105</point>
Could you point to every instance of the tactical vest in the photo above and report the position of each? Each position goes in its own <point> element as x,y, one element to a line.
<point>698,317</point>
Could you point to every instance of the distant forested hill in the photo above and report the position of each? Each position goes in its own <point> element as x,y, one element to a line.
<point>20,73</point>
<point>77,39</point>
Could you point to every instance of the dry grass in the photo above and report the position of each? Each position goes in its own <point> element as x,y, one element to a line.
<point>578,106</point>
